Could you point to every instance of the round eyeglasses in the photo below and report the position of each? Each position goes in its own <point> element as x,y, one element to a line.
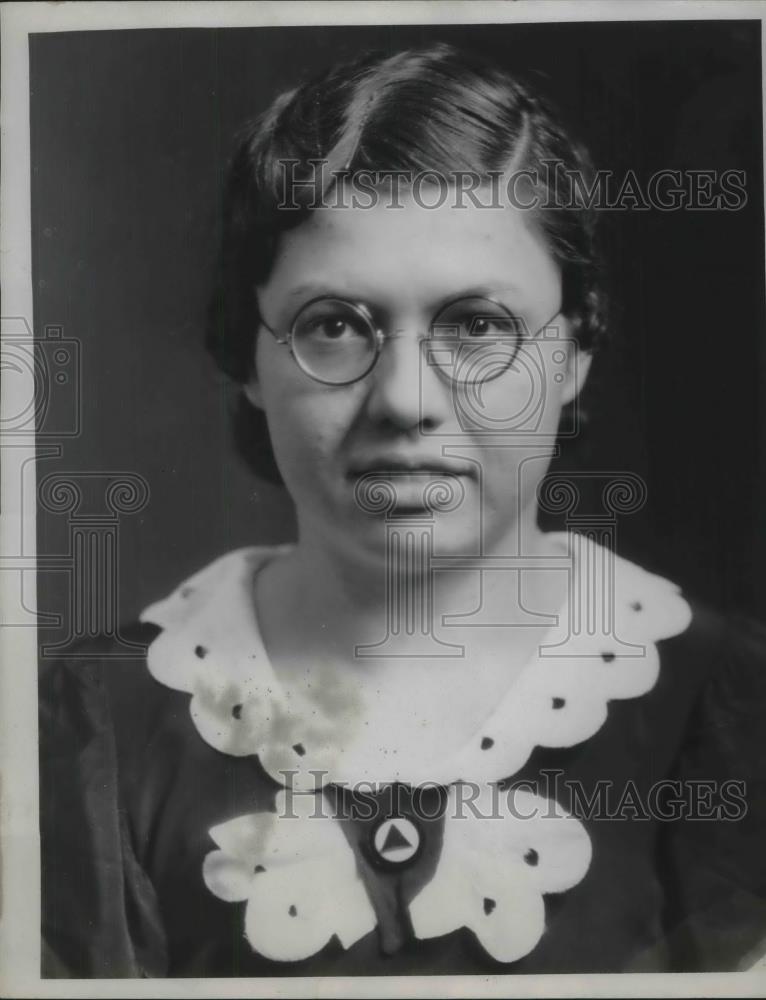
<point>471,339</point>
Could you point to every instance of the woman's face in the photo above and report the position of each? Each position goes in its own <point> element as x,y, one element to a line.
<point>404,422</point>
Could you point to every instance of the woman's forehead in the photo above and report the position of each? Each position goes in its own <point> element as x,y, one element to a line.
<point>374,247</point>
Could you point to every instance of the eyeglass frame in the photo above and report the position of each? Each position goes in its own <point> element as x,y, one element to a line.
<point>381,336</point>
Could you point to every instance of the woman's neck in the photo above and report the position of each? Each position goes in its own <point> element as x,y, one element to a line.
<point>322,600</point>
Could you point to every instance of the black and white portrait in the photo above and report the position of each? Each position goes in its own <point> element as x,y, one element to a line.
<point>388,504</point>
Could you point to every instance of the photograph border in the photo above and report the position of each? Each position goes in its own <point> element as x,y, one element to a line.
<point>19,837</point>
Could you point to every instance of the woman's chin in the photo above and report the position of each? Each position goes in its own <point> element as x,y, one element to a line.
<point>411,536</point>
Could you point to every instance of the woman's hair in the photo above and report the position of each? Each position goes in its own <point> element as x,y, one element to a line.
<point>434,109</point>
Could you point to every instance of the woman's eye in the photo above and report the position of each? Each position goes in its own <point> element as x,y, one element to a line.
<point>480,328</point>
<point>334,329</point>
<point>476,319</point>
<point>334,326</point>
<point>485,326</point>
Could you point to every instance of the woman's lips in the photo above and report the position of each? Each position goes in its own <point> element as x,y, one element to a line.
<point>403,468</point>
<point>398,486</point>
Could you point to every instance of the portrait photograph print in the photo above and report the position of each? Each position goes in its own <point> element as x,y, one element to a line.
<point>383,500</point>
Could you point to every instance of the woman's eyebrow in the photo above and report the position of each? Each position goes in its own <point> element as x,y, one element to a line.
<point>485,290</point>
<point>482,290</point>
<point>315,288</point>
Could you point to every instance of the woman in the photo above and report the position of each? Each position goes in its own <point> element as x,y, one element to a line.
<point>416,742</point>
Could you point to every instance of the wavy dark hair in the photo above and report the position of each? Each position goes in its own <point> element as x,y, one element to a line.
<point>433,109</point>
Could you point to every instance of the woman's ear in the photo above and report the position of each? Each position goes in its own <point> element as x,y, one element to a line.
<point>578,366</point>
<point>252,391</point>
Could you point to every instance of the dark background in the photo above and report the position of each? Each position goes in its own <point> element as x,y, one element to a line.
<point>131,132</point>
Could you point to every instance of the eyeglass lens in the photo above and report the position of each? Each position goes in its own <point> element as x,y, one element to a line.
<point>471,339</point>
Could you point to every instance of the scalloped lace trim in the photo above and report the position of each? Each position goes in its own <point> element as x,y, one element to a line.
<point>211,648</point>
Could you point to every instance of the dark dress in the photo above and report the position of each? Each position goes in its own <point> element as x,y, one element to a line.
<point>677,879</point>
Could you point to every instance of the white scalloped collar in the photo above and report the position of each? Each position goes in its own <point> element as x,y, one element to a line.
<point>210,647</point>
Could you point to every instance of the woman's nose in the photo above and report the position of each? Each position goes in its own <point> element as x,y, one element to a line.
<point>405,390</point>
